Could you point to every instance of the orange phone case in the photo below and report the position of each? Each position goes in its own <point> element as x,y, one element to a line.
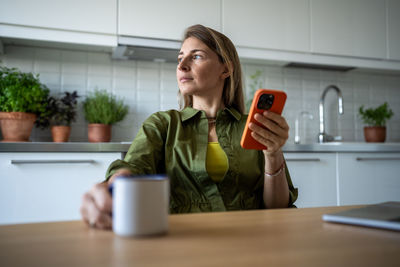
<point>279,100</point>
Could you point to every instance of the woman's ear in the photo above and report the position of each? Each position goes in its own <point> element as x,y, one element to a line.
<point>227,70</point>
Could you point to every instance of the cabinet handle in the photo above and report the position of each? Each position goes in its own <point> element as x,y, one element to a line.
<point>307,160</point>
<point>383,158</point>
<point>50,161</point>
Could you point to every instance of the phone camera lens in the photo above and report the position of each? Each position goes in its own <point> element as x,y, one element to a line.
<point>265,101</point>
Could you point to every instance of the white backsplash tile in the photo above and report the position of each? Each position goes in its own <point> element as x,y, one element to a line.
<point>102,82</point>
<point>74,82</point>
<point>47,61</point>
<point>74,62</point>
<point>148,87</point>
<point>51,80</point>
<point>124,69</point>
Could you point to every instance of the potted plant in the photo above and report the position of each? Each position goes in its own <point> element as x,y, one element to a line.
<point>375,119</point>
<point>62,114</point>
<point>23,102</point>
<point>102,110</point>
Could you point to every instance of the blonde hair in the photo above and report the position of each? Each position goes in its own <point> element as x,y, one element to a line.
<point>232,95</point>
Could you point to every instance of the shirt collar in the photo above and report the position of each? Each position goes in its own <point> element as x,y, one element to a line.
<point>189,112</point>
<point>234,112</point>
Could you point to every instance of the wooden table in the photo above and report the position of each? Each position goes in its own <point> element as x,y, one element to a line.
<point>287,237</point>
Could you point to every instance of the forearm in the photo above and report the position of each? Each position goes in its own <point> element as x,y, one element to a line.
<point>276,189</point>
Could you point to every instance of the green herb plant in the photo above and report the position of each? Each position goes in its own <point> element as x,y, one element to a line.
<point>377,116</point>
<point>256,83</point>
<point>63,110</point>
<point>103,107</point>
<point>23,92</point>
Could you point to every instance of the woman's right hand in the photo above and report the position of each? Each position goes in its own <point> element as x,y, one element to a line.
<point>96,205</point>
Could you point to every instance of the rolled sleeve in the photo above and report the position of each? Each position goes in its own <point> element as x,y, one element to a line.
<point>145,155</point>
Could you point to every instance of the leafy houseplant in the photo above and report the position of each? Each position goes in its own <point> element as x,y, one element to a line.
<point>376,121</point>
<point>102,110</point>
<point>23,102</point>
<point>255,84</point>
<point>62,112</point>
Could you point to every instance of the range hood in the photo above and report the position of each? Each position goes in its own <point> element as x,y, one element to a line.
<point>146,49</point>
<point>319,67</point>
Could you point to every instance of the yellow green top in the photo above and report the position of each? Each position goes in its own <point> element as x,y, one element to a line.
<point>216,162</point>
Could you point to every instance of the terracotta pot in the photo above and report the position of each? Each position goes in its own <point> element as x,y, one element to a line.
<point>99,132</point>
<point>375,134</point>
<point>16,126</point>
<point>60,133</point>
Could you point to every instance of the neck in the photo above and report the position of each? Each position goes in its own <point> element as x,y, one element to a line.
<point>210,107</point>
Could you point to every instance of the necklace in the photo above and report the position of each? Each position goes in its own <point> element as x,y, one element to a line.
<point>211,120</point>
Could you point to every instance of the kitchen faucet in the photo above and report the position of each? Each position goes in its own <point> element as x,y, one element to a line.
<point>323,136</point>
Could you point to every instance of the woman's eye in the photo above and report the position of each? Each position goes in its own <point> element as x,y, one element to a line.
<point>194,57</point>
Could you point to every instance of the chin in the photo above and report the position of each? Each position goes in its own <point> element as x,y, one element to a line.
<point>186,90</point>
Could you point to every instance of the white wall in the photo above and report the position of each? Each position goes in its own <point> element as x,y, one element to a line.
<point>148,87</point>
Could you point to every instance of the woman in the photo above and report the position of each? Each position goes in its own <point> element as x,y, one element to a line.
<point>198,147</point>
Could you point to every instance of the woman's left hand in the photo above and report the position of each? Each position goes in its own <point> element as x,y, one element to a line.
<point>273,135</point>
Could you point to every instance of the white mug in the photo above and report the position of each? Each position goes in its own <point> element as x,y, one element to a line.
<point>140,205</point>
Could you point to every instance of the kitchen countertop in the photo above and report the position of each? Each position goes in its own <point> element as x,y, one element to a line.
<point>64,147</point>
<point>124,146</point>
<point>343,147</point>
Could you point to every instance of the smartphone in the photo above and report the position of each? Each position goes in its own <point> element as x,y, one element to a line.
<point>264,99</point>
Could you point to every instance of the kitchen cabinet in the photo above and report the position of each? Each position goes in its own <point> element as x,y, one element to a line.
<point>393,11</point>
<point>70,21</point>
<point>367,178</point>
<point>323,32</point>
<point>281,25</point>
<point>314,174</point>
<point>166,19</point>
<point>328,179</point>
<point>48,186</point>
<point>349,28</point>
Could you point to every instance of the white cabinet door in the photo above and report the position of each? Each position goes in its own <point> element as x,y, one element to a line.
<point>166,19</point>
<point>272,24</point>
<point>393,11</point>
<point>70,21</point>
<point>314,174</point>
<point>88,16</point>
<point>35,188</point>
<point>351,28</point>
<point>367,178</point>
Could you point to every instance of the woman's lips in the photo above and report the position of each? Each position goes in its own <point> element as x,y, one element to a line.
<point>185,79</point>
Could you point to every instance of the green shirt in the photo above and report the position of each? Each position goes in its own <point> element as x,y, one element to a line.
<point>175,143</point>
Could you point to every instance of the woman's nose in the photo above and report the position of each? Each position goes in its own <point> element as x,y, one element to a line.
<point>183,65</point>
